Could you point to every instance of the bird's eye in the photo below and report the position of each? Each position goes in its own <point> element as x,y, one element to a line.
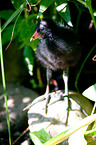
<point>42,27</point>
<point>38,30</point>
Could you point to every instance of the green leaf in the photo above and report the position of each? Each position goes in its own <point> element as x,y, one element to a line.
<point>90,133</point>
<point>88,3</point>
<point>90,137</point>
<point>82,2</point>
<point>7,33</point>
<point>29,59</point>
<point>20,9</point>
<point>95,13</point>
<point>89,6</point>
<point>5,14</point>
<point>90,93</point>
<point>17,3</point>
<point>39,137</point>
<point>93,141</point>
<point>26,29</point>
<point>44,5</point>
<point>63,9</point>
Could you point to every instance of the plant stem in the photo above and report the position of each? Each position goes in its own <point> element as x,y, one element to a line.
<point>4,86</point>
<point>78,75</point>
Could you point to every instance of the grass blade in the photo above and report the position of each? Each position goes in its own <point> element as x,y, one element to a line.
<point>4,86</point>
<point>20,9</point>
<point>64,135</point>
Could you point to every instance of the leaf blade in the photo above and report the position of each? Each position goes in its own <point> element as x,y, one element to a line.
<point>39,137</point>
<point>43,6</point>
<point>20,9</point>
<point>90,92</point>
<point>63,9</point>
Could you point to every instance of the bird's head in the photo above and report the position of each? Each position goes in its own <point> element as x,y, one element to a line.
<point>43,29</point>
<point>40,30</point>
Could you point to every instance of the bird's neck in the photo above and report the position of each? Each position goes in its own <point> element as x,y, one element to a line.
<point>49,36</point>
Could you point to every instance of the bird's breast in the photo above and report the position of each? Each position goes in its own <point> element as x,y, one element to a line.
<point>56,54</point>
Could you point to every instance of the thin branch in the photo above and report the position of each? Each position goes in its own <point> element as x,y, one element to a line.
<point>12,32</point>
<point>29,10</point>
<point>25,131</point>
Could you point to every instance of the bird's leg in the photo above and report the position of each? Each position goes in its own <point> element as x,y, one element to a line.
<point>48,75</point>
<point>65,78</point>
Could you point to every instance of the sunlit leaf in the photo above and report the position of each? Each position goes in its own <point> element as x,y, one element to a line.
<point>63,9</point>
<point>90,93</point>
<point>29,59</point>
<point>39,137</point>
<point>44,5</point>
<point>95,13</point>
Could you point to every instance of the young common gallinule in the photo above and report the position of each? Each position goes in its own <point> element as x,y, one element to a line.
<point>58,48</point>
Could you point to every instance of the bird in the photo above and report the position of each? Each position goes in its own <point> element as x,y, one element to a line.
<point>58,49</point>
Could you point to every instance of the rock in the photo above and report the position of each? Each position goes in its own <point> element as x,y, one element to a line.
<point>54,121</point>
<point>18,98</point>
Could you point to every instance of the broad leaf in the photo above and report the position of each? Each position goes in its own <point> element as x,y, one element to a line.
<point>5,14</point>
<point>39,137</point>
<point>26,29</point>
<point>63,9</point>
<point>7,34</point>
<point>29,59</point>
<point>90,136</point>
<point>44,5</point>
<point>90,93</point>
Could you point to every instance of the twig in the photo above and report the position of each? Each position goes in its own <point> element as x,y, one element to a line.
<point>13,32</point>
<point>29,10</point>
<point>25,131</point>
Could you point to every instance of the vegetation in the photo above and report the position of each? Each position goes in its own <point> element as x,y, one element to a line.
<point>19,24</point>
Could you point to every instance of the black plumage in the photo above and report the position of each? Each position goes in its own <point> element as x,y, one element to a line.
<point>58,47</point>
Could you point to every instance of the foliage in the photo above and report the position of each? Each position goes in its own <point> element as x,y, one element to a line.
<point>39,137</point>
<point>21,26</point>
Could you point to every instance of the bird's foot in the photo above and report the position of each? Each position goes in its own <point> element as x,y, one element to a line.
<point>68,109</point>
<point>47,97</point>
<point>53,97</point>
<point>68,102</point>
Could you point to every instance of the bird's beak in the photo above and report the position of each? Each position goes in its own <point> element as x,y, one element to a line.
<point>35,36</point>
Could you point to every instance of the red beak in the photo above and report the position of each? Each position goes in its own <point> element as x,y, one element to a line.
<point>35,36</point>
